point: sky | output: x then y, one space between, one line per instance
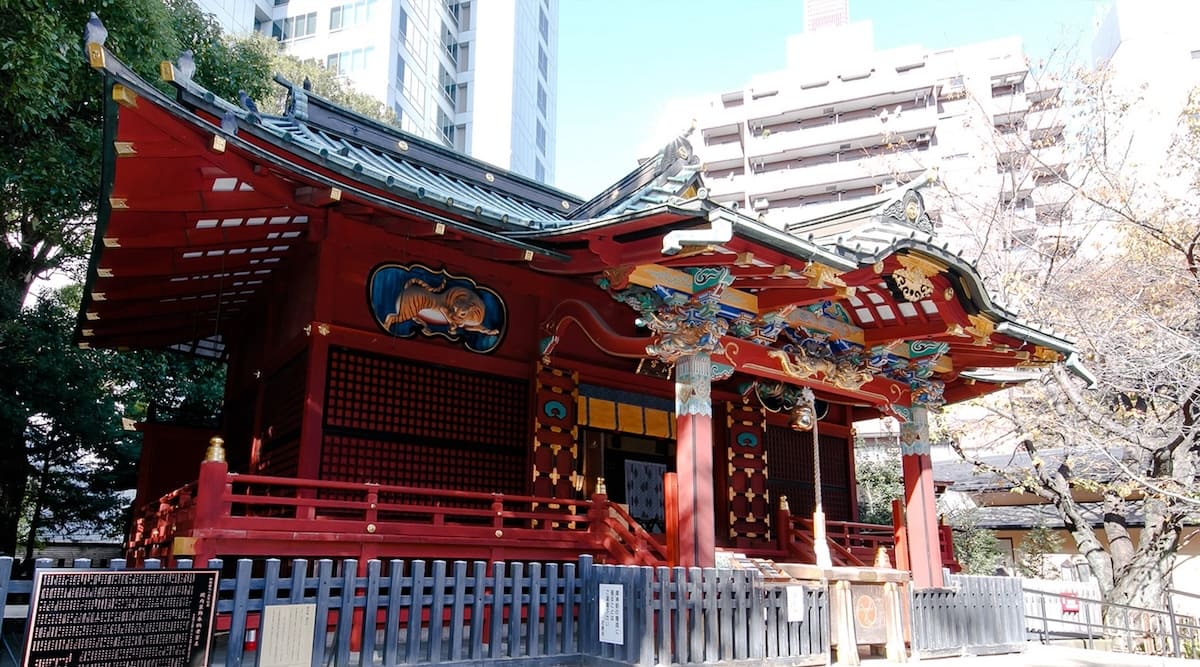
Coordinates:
622 62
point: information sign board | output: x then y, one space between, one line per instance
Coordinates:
612 613
133 618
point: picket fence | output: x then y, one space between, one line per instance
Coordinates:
972 615
413 612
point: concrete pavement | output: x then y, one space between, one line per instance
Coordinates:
1041 655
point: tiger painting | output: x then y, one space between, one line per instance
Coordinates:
456 308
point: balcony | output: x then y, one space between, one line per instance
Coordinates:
872 130
722 155
822 177
1045 118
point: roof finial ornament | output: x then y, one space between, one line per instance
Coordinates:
307 84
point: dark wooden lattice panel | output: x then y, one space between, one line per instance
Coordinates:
395 421
466 468
375 394
791 472
282 412
279 458
749 500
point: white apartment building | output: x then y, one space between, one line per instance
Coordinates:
480 76
843 121
239 16
1152 53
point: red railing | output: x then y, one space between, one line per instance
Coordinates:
246 515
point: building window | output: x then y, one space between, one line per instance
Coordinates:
539 171
542 99
447 126
541 138
543 63
544 25
351 14
349 62
399 72
294 27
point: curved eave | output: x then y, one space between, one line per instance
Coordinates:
350 175
972 282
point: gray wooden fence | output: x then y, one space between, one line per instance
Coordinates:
412 612
972 616
678 616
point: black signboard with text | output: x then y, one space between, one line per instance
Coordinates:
133 618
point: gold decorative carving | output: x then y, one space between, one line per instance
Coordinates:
1046 355
821 276
981 329
801 367
913 280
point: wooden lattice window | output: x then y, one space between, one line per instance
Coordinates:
791 472
395 421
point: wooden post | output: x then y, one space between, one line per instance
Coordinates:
211 506
901 547
693 460
783 526
920 507
598 515
671 516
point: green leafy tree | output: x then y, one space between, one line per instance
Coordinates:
50 124
879 483
975 548
1038 543
325 82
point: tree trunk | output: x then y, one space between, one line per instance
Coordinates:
1145 581
12 483
35 514
14 468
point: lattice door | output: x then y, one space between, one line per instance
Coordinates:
395 421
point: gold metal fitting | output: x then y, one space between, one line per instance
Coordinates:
216 450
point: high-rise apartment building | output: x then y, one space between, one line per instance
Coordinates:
843 121
478 76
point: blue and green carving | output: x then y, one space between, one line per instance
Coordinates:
555 409
747 440
710 277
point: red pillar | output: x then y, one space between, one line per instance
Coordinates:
921 525
693 460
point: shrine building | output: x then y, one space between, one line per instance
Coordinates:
428 356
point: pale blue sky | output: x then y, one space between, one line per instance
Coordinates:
621 61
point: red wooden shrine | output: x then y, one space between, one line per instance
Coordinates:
428 356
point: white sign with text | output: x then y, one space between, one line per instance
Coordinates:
612 613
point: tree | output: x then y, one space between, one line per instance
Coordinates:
1114 259
326 83
50 124
878 483
1038 543
975 548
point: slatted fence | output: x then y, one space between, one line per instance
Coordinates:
972 616
415 612
678 616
